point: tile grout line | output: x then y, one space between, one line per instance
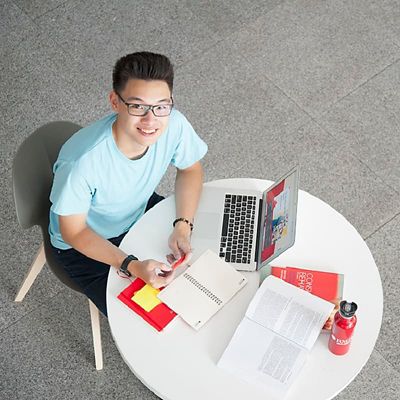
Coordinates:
293 100
323 112
41 15
40 32
395 369
50 38
49 11
335 138
327 130
359 159
380 227
6 53
30 312
242 25
313 119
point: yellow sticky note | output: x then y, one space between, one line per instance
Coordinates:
146 297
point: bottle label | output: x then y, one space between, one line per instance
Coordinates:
341 342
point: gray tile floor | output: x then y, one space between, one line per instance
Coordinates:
309 81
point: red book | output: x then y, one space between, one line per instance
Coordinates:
327 285
159 317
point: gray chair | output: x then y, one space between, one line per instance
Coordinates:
32 180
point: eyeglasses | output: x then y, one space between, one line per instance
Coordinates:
140 110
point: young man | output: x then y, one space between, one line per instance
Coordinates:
106 174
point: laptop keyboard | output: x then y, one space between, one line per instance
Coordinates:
238 228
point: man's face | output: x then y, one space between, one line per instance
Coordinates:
143 130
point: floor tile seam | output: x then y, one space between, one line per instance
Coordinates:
217 42
226 38
243 24
199 55
304 111
326 130
381 226
397 372
301 124
387 185
166 22
31 311
331 135
49 11
10 51
265 75
324 111
51 39
256 8
33 19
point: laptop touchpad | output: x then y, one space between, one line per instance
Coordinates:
207 225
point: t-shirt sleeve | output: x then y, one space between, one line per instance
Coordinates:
190 148
71 192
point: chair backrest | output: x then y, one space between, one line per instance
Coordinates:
32 171
32 175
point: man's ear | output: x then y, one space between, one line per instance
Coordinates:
114 101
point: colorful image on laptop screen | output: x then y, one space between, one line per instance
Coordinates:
279 218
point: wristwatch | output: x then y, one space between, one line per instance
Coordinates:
124 266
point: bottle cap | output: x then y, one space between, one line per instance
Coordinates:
347 310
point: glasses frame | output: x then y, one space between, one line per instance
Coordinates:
146 106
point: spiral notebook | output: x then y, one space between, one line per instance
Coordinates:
203 289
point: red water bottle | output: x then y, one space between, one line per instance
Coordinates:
342 329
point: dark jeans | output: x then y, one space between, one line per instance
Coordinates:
89 274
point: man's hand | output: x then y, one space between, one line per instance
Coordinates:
153 272
179 241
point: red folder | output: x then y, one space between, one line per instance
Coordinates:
159 317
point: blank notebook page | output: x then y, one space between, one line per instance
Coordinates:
203 289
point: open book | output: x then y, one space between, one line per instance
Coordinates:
203 289
271 343
327 285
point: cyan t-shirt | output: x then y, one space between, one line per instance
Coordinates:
92 176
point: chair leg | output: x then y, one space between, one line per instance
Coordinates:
95 318
33 272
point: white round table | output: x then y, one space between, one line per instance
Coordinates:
180 363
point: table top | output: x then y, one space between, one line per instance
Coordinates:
179 362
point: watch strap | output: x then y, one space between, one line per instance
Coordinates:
124 266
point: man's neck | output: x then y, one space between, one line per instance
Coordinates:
130 149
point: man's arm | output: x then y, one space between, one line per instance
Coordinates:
188 186
77 234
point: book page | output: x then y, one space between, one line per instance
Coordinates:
327 285
263 358
289 311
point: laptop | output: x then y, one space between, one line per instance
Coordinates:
247 228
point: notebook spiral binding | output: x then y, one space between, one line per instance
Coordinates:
207 292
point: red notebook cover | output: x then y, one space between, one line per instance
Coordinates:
327 285
159 317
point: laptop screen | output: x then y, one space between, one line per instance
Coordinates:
279 218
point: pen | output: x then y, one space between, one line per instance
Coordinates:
175 265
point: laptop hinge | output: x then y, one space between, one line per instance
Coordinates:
258 233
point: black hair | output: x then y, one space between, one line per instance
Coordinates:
142 65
